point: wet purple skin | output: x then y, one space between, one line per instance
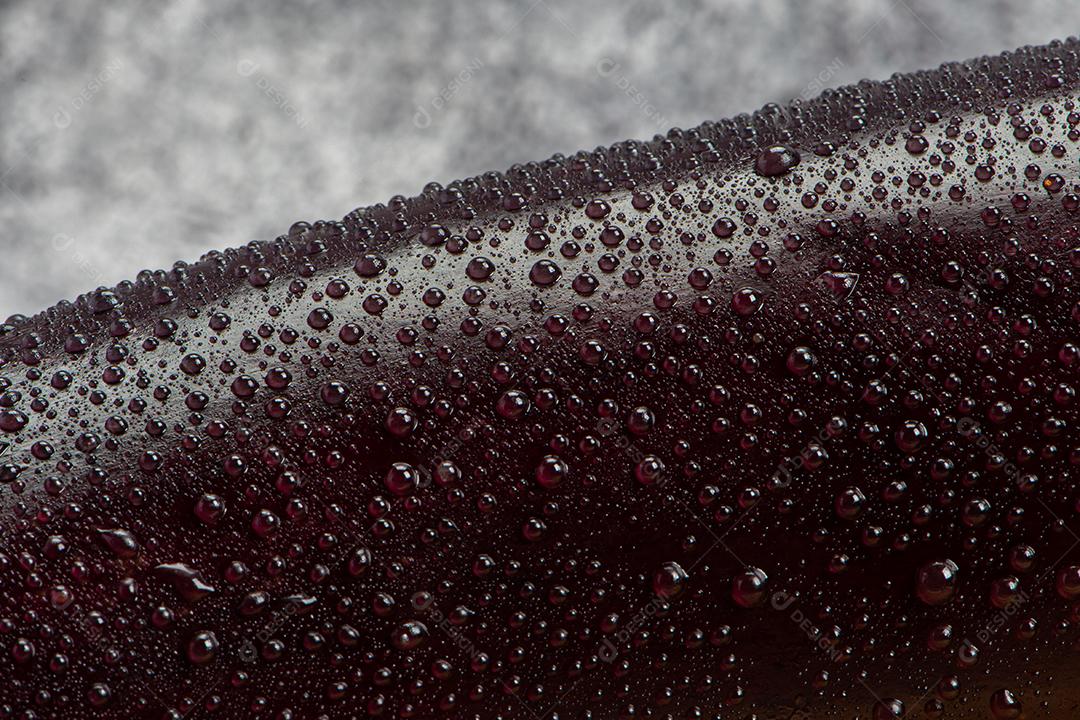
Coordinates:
666 430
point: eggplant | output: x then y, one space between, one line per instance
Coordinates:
775 417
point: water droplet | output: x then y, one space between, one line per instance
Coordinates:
670 580
936 582
748 587
409 635
776 160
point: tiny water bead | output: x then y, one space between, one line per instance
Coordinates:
748 589
800 360
937 581
551 472
746 301
888 709
670 580
410 635
210 508
545 273
1068 582
776 160
1005 705
202 648
513 404
402 479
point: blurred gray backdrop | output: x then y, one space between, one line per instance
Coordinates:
139 132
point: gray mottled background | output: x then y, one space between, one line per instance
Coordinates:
136 133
